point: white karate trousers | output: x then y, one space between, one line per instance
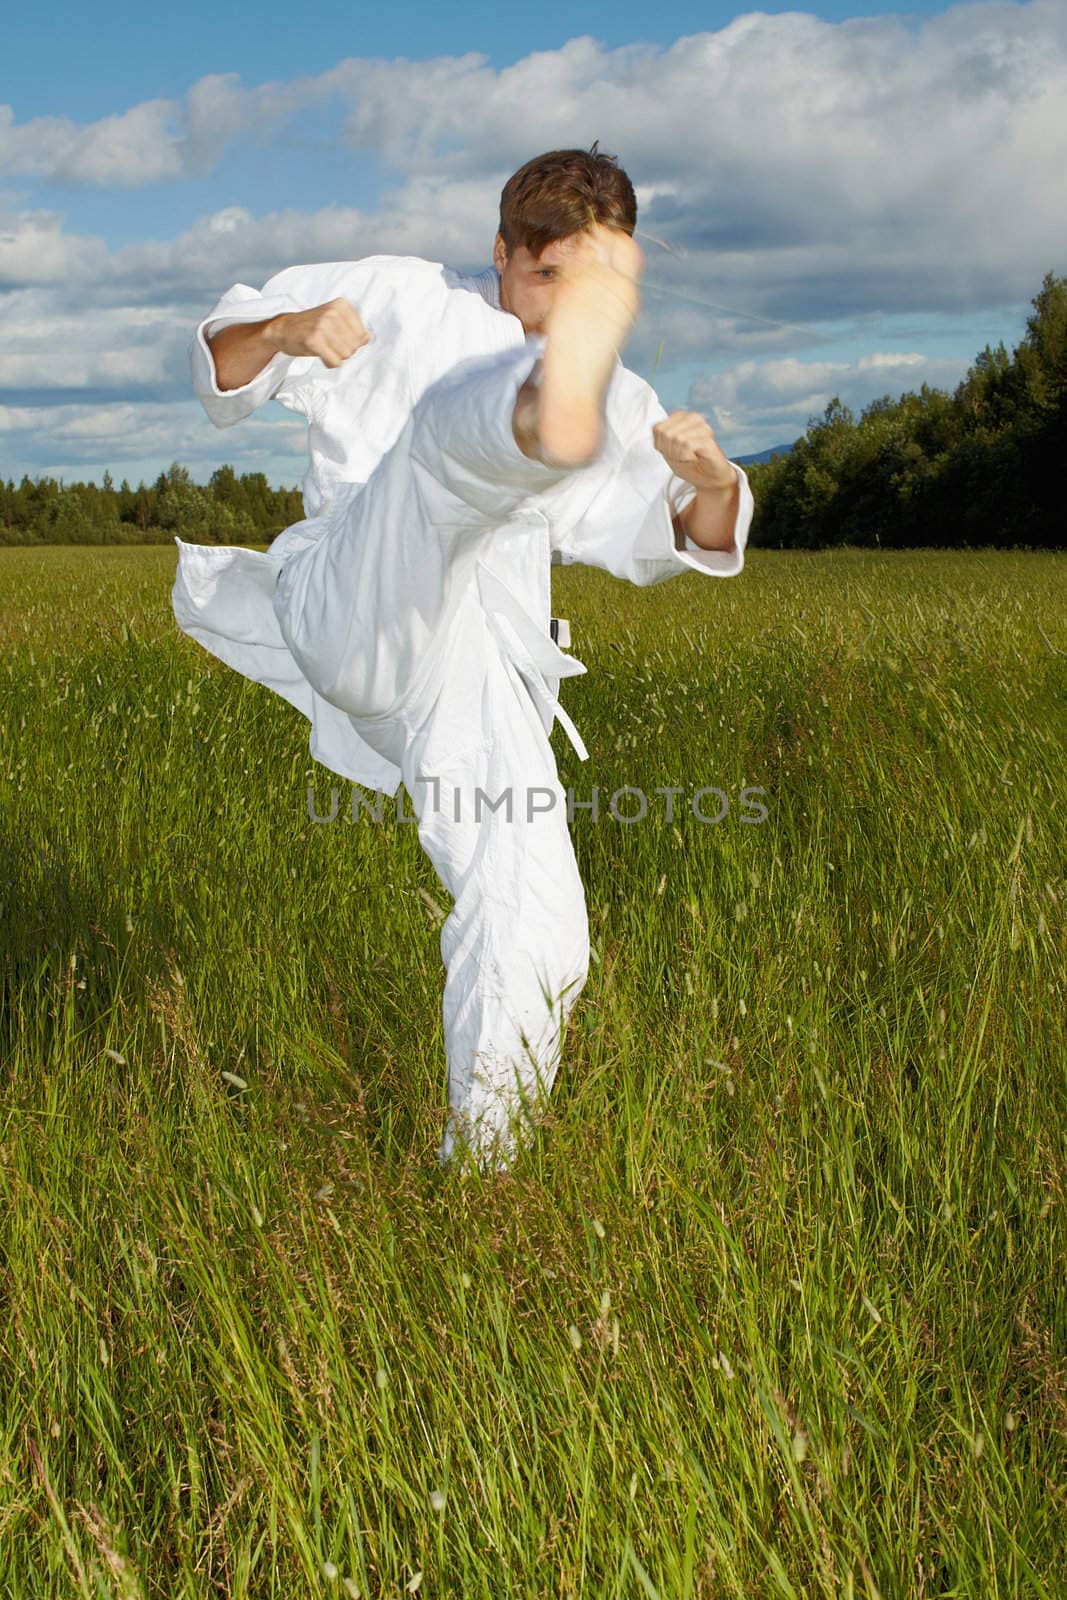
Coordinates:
382 612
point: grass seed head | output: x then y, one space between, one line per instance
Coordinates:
871 1310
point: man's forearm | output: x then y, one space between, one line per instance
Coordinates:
711 516
241 351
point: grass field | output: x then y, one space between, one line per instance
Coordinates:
776 1305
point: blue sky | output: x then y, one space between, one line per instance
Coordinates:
885 182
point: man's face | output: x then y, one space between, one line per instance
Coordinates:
528 283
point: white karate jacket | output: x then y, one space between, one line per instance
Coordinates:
425 320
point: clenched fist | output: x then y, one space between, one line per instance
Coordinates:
333 332
687 444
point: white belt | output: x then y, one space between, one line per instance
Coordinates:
534 679
533 652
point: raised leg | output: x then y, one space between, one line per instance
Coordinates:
365 607
559 416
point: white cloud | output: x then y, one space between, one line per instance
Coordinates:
129 150
808 166
34 249
80 369
48 343
72 441
216 111
753 401
802 171
789 379
778 133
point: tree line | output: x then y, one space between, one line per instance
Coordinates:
980 466
227 510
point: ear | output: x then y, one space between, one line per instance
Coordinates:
500 253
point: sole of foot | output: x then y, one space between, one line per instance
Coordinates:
594 309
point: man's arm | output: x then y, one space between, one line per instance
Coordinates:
668 504
241 351
332 332
267 370
687 444
710 517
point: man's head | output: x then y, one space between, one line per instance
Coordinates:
543 207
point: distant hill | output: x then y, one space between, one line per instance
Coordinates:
764 455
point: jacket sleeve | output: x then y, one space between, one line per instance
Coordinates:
295 289
628 526
468 467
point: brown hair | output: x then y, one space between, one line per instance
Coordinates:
564 192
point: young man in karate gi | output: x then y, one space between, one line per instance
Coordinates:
464 432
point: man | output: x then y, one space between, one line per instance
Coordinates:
463 433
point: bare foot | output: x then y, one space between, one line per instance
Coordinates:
592 313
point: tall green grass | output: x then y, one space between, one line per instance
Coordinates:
775 1303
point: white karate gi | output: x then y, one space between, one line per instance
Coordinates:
408 619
